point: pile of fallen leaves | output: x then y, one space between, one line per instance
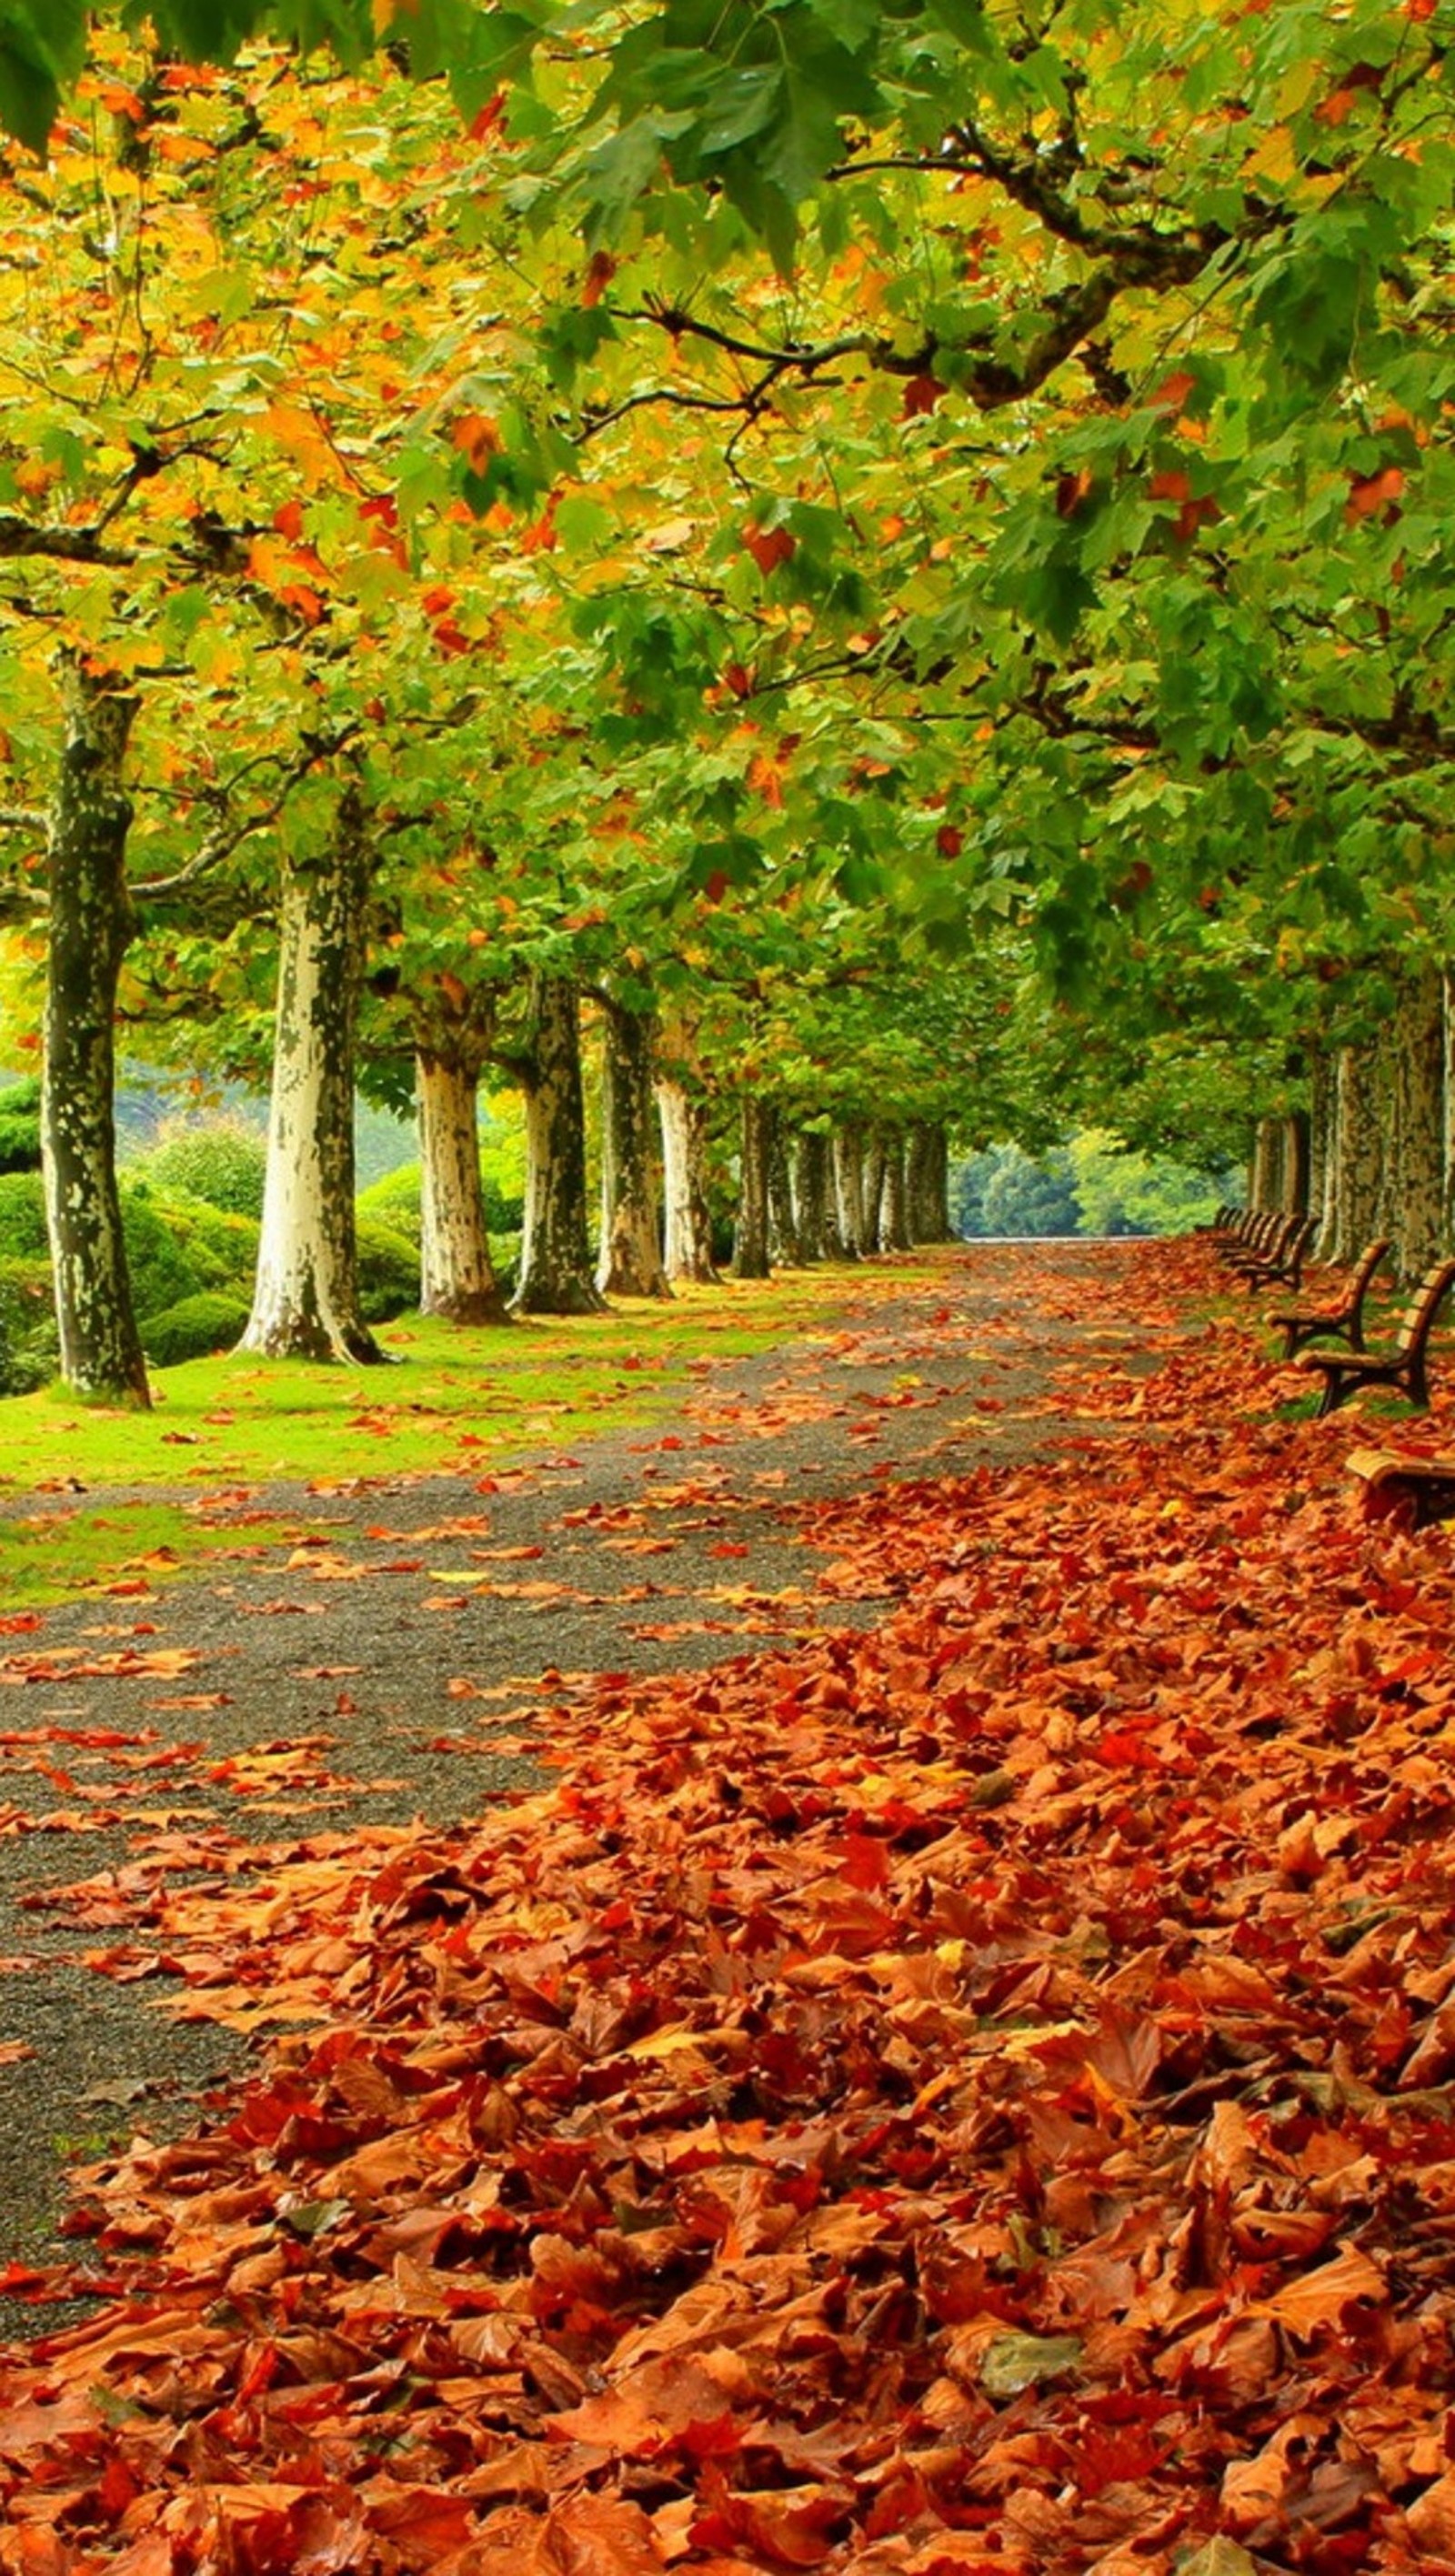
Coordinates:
969 2094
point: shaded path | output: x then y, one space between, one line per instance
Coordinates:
397 1662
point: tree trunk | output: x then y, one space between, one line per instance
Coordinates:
810 1195
783 1243
1296 1164
1268 1166
848 1155
631 1257
91 925
1323 1152
1358 1155
688 1218
555 1256
876 1164
1416 1202
894 1226
306 1297
928 1182
457 1276
750 1240
1449 985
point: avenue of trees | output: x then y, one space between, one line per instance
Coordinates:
898 561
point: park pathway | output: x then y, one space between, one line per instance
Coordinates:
400 1658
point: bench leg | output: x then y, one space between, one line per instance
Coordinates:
1333 1394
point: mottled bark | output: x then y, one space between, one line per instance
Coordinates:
1323 1152
848 1162
1417 1200
750 1237
687 1216
894 1235
457 1275
875 1164
1384 1097
91 926
630 1262
1358 1153
306 1296
555 1255
1448 980
811 1196
1268 1165
927 1182
783 1242
1296 1164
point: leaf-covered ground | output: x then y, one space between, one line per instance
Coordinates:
964 2091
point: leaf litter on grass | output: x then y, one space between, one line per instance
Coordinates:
971 2093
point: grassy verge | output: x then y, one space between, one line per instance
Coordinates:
461 1403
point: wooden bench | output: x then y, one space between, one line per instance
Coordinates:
1252 1239
1283 1269
1342 1322
1412 1491
1269 1254
1403 1366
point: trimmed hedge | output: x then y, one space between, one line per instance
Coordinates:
20 1127
22 1218
222 1165
195 1327
30 1348
192 1267
388 1272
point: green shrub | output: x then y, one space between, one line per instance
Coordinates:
177 1246
222 1165
20 1127
195 1327
30 1349
505 1261
394 1202
388 1272
22 1218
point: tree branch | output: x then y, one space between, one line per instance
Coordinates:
62 545
225 838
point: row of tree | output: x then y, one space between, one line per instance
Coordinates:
906 553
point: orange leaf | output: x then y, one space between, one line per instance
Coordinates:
769 546
488 117
478 439
1373 492
921 393
600 270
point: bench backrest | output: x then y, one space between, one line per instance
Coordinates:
1363 1271
1416 1322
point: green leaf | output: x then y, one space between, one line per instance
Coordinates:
1017 2361
34 65
1218 2558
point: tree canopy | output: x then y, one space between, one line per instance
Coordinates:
914 541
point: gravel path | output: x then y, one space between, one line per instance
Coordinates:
399 1663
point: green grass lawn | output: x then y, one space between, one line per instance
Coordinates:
462 1402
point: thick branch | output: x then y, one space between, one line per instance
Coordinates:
228 836
63 545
